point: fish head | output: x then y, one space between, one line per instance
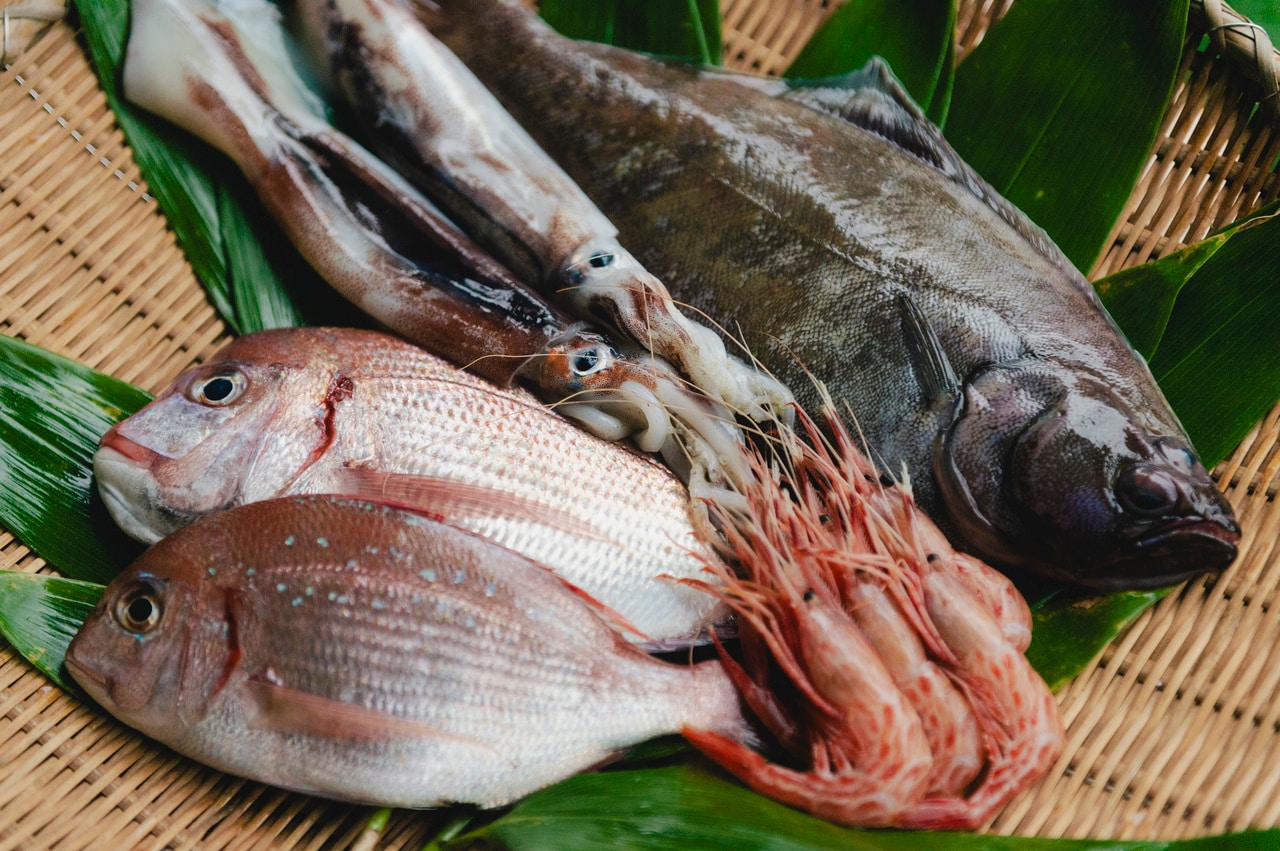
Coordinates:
1054 473
239 427
136 652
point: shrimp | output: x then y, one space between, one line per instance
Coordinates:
887 666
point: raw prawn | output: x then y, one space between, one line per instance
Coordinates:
888 666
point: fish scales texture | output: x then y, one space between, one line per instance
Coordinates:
1034 434
319 405
367 654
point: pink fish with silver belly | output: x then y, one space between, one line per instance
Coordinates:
359 652
317 410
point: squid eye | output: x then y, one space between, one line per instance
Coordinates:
139 610
220 389
591 360
1146 491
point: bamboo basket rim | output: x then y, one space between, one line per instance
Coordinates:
89 269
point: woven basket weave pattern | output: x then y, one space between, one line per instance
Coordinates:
1173 733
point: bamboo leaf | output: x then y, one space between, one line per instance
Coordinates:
1060 104
52 413
1223 326
1069 631
39 615
204 201
915 38
1141 299
687 806
684 29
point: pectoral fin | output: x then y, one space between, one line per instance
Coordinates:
933 368
454 502
289 710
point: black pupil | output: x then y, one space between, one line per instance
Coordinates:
586 361
141 610
218 389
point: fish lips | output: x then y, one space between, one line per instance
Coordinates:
125 483
1167 552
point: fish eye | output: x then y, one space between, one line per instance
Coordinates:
1146 491
219 389
602 260
139 610
590 360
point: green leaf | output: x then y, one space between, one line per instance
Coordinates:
684 29
1068 631
39 615
1223 326
1141 299
1059 106
687 806
52 413
1264 13
915 37
204 199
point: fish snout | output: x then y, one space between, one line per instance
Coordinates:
126 483
1182 526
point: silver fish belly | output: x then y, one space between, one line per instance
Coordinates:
357 412
358 652
835 227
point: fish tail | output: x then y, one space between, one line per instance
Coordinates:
716 705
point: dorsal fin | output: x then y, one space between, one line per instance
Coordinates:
873 99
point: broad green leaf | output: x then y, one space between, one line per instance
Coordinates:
203 197
52 413
39 615
685 29
1141 299
1219 360
1060 104
914 36
687 806
1069 631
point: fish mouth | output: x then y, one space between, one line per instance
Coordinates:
95 683
1175 552
123 482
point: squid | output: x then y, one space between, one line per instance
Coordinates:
422 110
218 69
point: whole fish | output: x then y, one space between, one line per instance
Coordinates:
834 227
317 410
359 652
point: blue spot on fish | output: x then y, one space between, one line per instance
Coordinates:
459 576
251 571
308 590
490 589
378 605
351 562
296 601
280 586
288 542
428 574
213 571
333 595
322 542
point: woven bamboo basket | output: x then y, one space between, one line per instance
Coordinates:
1173 732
